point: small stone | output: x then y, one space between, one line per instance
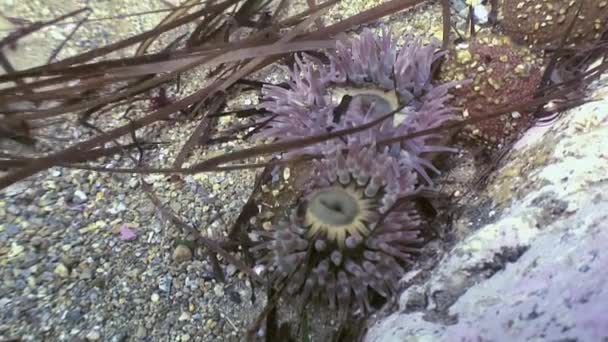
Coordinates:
119 208
16 189
210 323
516 115
74 316
12 229
164 284
182 253
218 290
62 271
184 317
32 282
93 335
120 337
85 273
133 183
230 270
155 297
80 197
520 69
464 56
13 209
185 337
286 173
141 332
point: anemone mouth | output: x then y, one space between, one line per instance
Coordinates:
384 101
337 212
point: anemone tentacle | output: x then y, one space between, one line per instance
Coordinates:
379 78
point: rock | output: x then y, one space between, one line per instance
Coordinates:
62 270
182 253
16 250
184 317
155 297
74 316
11 229
141 332
17 188
218 290
231 270
80 197
164 284
210 323
133 183
93 335
120 336
537 271
13 209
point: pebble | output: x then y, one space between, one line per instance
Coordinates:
231 270
218 290
13 209
16 189
74 316
16 250
93 335
184 317
133 183
141 332
119 208
11 229
210 323
155 297
61 270
182 253
164 284
120 337
80 197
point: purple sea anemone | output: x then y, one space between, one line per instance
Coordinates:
378 79
348 235
354 229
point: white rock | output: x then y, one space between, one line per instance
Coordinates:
538 272
93 336
80 196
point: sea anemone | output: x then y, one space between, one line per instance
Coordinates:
378 78
349 234
355 227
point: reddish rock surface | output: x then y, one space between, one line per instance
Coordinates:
502 74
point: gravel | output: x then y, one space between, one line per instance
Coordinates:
67 274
